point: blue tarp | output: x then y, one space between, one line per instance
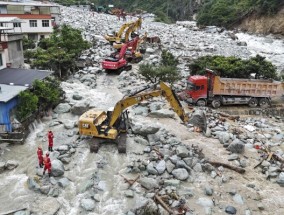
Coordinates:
5 109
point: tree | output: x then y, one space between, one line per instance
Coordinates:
28 44
27 105
232 67
59 52
47 91
167 70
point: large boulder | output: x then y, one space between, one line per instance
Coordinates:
32 184
11 164
46 206
57 168
88 204
198 119
237 146
62 108
182 151
63 182
80 107
180 174
2 166
164 113
145 129
149 183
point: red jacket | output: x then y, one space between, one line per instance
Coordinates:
47 162
39 153
50 137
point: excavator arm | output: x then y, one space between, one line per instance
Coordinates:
165 91
136 24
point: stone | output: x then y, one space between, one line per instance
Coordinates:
32 184
87 204
233 157
57 168
62 148
129 193
208 191
237 146
52 180
151 169
97 197
62 108
197 167
79 108
238 199
2 166
11 164
77 96
205 202
250 128
86 186
66 160
230 210
24 212
54 192
141 140
260 206
63 182
180 174
170 166
223 137
182 151
172 182
145 129
49 206
44 189
198 118
149 183
68 124
54 155
161 167
280 179
164 113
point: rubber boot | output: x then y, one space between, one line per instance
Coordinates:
49 175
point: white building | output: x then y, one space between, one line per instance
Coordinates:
37 18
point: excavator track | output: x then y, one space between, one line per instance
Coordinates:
121 143
94 147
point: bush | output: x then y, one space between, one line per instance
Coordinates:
28 44
168 59
232 67
27 105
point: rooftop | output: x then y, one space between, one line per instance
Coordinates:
21 77
10 20
27 16
30 3
8 92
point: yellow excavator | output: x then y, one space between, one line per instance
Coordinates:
111 126
118 36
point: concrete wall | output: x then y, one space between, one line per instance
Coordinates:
4 55
26 28
16 55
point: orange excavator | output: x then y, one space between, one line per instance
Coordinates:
118 61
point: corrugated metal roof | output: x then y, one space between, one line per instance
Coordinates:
22 77
8 92
10 20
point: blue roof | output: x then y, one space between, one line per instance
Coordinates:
8 92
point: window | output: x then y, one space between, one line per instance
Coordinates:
45 23
1 24
33 23
19 47
17 25
1 61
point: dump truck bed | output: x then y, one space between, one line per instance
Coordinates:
247 87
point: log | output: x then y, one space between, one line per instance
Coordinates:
130 181
259 163
231 117
164 205
237 169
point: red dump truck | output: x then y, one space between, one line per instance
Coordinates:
217 91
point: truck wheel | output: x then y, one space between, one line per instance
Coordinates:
201 103
253 102
216 103
263 102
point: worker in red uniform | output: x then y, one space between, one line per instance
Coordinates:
50 141
47 164
40 156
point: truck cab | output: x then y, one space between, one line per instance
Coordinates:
196 89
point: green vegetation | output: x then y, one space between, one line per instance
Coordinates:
28 43
233 67
167 71
59 51
228 12
43 95
28 103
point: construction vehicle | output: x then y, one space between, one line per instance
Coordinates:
117 36
111 126
130 32
211 89
118 61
